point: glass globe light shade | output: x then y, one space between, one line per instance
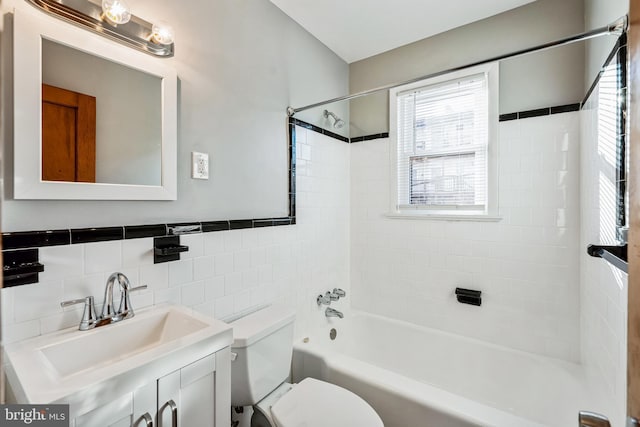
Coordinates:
116 11
162 33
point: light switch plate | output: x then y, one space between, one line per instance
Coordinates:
199 165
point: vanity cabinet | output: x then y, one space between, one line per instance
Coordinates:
197 394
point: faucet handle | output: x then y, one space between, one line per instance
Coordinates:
126 311
332 296
89 317
323 299
339 292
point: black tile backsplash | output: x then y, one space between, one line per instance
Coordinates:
283 221
539 112
101 234
33 239
237 224
369 137
209 226
507 117
259 223
141 231
534 113
565 108
296 122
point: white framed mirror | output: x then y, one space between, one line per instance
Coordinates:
93 120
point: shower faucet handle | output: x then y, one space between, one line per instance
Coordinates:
339 292
323 299
332 296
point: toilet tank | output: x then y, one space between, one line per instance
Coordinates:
261 353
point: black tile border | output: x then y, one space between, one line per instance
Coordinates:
210 226
297 122
141 231
369 137
101 234
317 129
238 224
34 239
539 112
20 240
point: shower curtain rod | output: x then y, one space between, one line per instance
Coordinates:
619 26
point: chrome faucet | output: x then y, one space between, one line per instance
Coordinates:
108 310
330 312
109 313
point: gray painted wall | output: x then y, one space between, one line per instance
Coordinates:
550 78
598 13
240 64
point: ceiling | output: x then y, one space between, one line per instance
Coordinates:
358 29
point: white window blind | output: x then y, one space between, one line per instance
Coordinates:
442 145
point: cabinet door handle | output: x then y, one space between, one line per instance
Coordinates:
174 413
147 419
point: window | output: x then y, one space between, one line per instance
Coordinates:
444 130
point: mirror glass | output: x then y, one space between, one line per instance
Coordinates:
101 121
92 119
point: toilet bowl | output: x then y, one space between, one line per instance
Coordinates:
261 360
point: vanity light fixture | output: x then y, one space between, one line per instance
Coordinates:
113 19
117 12
162 33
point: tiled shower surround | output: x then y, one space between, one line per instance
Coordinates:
603 293
223 273
526 264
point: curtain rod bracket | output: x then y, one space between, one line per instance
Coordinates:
620 26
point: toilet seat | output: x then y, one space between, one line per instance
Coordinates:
314 403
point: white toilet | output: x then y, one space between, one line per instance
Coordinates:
261 360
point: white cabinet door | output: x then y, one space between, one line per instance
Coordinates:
186 397
191 394
116 413
125 411
144 405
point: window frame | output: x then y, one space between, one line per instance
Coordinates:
490 212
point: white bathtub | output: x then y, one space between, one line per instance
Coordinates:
421 377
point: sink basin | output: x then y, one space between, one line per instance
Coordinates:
71 365
119 341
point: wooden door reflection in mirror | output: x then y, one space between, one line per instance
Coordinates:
68 135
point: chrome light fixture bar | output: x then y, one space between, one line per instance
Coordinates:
137 33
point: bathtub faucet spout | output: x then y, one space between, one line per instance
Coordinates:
330 312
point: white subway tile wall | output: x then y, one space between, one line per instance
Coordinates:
223 273
603 296
526 265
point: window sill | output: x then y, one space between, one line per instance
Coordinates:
444 217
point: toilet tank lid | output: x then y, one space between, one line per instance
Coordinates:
257 325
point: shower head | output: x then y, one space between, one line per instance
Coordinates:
338 122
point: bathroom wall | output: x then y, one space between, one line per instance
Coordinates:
603 296
223 273
598 13
240 63
526 265
525 83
